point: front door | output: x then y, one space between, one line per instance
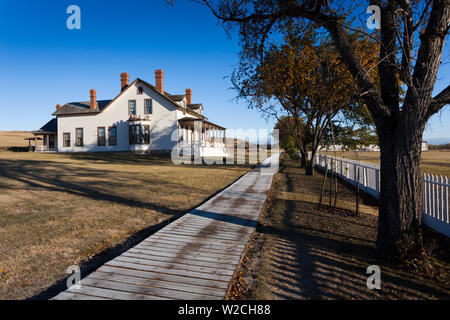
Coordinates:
51 141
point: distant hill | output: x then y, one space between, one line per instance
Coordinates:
13 139
437 141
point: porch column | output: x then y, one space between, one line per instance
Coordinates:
203 133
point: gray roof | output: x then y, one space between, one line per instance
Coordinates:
51 126
194 106
189 119
175 97
81 107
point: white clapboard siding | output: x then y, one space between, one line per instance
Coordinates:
436 189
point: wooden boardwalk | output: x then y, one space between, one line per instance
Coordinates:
193 257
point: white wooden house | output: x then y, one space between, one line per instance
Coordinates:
142 118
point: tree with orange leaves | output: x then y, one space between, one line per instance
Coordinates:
305 81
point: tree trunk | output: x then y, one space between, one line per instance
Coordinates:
309 169
400 210
303 159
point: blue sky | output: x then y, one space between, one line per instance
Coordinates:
42 63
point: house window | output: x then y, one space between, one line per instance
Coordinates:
66 139
79 135
140 90
148 106
139 134
101 138
112 133
132 107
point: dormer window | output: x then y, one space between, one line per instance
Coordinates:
140 90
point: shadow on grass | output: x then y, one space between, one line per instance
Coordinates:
145 159
56 176
101 258
50 176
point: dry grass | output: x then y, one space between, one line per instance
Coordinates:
14 139
61 209
299 252
433 161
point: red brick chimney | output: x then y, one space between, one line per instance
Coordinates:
93 103
58 106
189 96
124 80
159 77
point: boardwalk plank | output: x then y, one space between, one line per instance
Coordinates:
193 255
176 266
125 262
199 247
113 294
168 277
130 276
133 284
223 242
191 249
77 296
202 244
185 261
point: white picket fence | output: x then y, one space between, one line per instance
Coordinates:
436 203
436 189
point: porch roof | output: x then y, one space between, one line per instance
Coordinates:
32 138
190 122
50 127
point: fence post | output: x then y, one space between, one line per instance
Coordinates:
424 188
436 196
365 178
433 195
347 173
430 196
446 213
441 199
377 181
